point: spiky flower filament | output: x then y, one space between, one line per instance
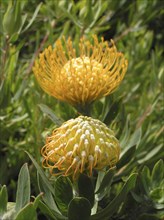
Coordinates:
80 77
80 145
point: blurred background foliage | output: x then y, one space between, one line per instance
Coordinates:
134 111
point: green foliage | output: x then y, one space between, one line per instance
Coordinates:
79 208
134 111
23 188
3 200
147 197
63 193
22 208
85 188
105 184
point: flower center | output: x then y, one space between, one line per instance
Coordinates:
82 66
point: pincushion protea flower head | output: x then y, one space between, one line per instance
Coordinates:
80 76
80 145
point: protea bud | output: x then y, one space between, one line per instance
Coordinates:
80 145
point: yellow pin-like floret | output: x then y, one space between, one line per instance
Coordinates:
80 145
80 77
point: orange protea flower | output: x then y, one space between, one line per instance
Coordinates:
80 145
83 75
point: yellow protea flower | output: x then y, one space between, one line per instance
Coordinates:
83 75
80 145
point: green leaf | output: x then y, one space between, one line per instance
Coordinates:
96 13
47 197
157 195
23 188
45 181
125 134
12 19
33 17
105 184
113 206
86 189
112 113
3 200
146 179
151 154
126 157
72 17
110 109
37 199
28 212
63 193
89 16
134 140
22 87
79 209
157 173
45 109
46 210
40 171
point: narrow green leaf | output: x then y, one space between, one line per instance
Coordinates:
146 179
40 171
106 183
100 177
151 154
134 140
23 188
108 100
47 197
79 209
45 181
126 157
46 210
113 206
63 193
3 200
86 189
20 90
24 18
157 173
96 15
33 17
125 134
112 113
28 212
45 109
37 199
72 17
89 15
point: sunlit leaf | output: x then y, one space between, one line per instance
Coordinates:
28 212
23 188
